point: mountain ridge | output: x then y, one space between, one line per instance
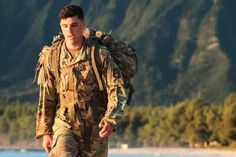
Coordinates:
185 48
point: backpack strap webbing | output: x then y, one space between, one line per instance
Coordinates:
56 50
94 50
130 94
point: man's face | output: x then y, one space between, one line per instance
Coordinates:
72 28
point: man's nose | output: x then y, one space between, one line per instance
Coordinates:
69 29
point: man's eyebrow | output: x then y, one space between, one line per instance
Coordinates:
71 23
76 22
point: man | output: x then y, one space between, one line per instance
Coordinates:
74 117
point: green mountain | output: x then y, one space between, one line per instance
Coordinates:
185 48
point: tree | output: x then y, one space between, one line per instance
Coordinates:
228 132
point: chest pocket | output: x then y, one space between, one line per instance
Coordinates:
67 82
84 74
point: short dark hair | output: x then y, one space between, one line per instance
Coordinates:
70 11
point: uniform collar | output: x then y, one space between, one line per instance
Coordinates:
67 57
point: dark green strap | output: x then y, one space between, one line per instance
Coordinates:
130 94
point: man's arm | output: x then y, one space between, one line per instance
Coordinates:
117 95
46 110
48 97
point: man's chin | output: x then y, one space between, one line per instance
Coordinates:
70 41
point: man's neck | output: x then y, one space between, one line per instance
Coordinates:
75 46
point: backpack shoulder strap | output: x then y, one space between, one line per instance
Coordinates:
55 60
94 52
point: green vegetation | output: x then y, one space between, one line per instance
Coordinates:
17 123
184 47
190 123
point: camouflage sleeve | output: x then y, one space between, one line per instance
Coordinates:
117 95
47 95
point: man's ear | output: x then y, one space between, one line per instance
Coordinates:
60 26
83 23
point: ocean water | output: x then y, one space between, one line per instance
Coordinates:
113 154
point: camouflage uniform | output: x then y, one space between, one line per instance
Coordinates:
72 110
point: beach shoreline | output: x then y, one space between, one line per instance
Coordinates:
146 150
210 151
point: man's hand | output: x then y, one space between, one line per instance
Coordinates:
106 130
47 142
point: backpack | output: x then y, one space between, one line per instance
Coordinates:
123 54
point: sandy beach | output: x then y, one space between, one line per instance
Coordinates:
230 152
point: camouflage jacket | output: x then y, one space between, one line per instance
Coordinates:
78 86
